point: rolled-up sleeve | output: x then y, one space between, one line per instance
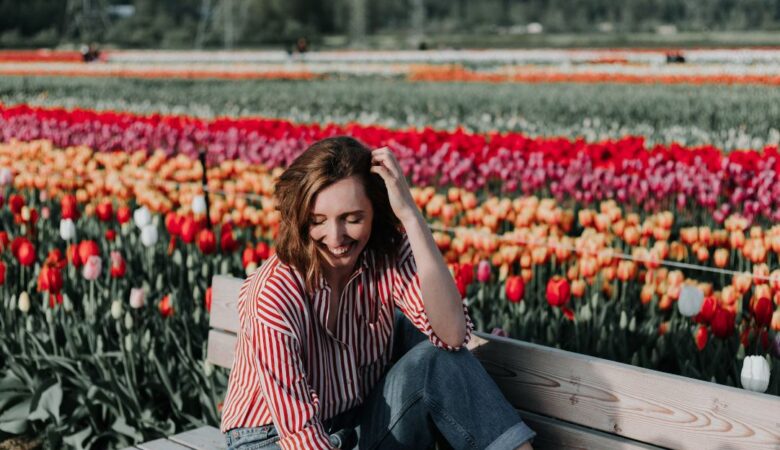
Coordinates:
292 402
407 296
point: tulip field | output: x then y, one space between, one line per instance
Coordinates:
602 219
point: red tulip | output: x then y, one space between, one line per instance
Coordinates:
173 223
515 288
558 291
165 307
3 240
248 256
26 253
123 214
87 249
55 298
207 299
110 235
69 207
462 286
189 229
227 242
467 273
104 211
118 265
702 334
16 203
762 311
262 251
708 308
73 255
723 323
55 258
207 243
2 273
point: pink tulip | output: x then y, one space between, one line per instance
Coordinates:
483 271
91 270
137 298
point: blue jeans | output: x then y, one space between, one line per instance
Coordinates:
427 395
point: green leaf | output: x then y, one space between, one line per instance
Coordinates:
48 404
76 440
121 427
14 419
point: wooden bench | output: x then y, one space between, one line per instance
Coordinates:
572 401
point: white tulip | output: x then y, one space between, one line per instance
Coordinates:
755 373
67 229
24 302
116 309
149 235
142 217
199 204
690 301
6 176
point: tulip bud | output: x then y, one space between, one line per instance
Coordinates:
483 271
623 320
755 373
199 204
67 229
149 235
91 269
690 301
128 321
49 316
208 368
67 305
116 309
137 298
129 343
24 302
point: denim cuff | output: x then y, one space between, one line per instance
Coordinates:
513 437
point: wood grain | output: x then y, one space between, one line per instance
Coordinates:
636 403
221 348
556 434
224 301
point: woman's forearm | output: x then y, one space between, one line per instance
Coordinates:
441 298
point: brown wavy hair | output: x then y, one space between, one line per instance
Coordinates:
324 163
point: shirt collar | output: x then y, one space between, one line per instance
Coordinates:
363 263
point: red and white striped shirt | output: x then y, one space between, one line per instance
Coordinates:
290 370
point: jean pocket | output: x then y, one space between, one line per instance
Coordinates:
253 438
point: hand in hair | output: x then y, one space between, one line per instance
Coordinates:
384 163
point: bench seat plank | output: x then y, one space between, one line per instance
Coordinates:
557 434
640 404
203 438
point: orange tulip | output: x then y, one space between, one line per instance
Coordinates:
578 288
721 257
742 282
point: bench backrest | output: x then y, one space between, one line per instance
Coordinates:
578 401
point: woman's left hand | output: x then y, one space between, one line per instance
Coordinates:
384 163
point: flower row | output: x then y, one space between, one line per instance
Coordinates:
701 179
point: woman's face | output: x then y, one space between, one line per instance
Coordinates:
340 223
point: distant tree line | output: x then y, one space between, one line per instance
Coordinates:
248 23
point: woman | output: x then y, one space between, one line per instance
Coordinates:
322 350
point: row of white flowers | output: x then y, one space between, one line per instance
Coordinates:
519 56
